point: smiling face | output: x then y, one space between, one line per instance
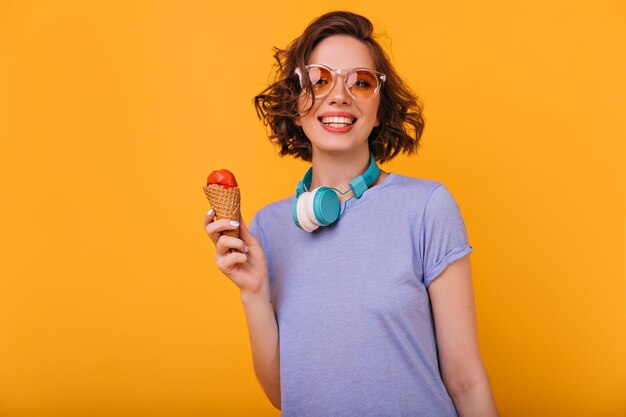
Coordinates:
337 122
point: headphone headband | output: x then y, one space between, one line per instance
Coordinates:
358 185
321 207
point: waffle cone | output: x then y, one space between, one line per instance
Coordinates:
226 203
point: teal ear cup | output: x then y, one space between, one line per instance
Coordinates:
326 206
320 207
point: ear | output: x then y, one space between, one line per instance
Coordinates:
377 123
297 121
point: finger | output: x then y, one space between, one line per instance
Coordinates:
227 263
215 229
244 233
209 216
226 243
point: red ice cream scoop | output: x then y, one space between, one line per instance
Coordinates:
222 177
224 196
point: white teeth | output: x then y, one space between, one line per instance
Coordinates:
338 120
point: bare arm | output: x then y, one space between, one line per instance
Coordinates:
462 371
263 332
244 262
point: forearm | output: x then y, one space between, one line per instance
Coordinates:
475 400
263 332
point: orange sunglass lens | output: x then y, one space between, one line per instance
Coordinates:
362 84
321 79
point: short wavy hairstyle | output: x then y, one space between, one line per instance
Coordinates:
399 111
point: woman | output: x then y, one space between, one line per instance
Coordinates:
365 272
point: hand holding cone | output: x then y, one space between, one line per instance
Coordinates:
223 195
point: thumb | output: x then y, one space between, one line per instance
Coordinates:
245 235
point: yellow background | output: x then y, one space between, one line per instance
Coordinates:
112 114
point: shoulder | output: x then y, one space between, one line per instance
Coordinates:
275 209
271 214
417 190
416 184
429 200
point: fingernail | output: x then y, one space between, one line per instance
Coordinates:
208 213
234 223
245 248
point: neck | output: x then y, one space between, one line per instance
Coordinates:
337 170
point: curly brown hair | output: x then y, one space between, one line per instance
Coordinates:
400 110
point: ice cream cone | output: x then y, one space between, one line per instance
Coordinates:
226 203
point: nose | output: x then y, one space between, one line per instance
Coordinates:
339 94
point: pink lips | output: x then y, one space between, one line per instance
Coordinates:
337 114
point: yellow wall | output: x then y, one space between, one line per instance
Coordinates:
113 113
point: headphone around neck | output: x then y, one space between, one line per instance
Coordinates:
321 206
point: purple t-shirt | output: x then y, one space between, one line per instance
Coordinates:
356 330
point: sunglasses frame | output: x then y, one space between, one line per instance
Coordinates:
380 79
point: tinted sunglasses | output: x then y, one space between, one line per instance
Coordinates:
361 83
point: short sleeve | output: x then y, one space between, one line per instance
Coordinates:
257 231
443 235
